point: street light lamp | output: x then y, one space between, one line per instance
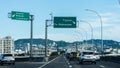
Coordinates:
101 25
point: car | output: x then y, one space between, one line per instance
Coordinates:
97 56
87 56
67 55
7 59
73 56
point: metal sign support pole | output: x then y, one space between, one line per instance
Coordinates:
31 36
46 38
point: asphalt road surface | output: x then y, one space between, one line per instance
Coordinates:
62 62
23 65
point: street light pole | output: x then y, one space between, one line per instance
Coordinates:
78 35
91 29
86 35
119 2
76 45
101 26
46 29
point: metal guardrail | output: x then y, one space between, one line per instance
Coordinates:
29 56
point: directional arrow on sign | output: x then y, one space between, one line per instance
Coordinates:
13 15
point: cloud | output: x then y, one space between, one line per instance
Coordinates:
110 24
111 29
56 36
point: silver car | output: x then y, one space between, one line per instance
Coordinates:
7 59
87 56
97 56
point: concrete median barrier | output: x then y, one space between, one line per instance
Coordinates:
115 59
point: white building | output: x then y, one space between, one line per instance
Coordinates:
7 45
40 50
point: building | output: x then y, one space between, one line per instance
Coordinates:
40 50
7 45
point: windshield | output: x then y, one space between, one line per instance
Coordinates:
96 53
7 54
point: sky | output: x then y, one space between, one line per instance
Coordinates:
109 10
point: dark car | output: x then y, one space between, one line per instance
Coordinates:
73 55
67 55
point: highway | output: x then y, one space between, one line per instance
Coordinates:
23 65
62 62
100 64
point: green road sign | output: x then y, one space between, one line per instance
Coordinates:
20 15
64 22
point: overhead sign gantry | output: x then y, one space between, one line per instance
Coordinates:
25 16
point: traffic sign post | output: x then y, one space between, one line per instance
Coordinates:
25 16
20 15
31 35
65 22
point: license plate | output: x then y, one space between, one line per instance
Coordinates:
88 56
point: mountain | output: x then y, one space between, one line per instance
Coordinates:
21 43
110 43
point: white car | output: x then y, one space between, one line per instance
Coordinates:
87 56
97 56
7 59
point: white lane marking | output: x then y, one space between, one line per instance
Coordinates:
33 62
47 63
101 66
68 63
70 66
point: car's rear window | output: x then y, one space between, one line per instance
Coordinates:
96 54
7 54
74 53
